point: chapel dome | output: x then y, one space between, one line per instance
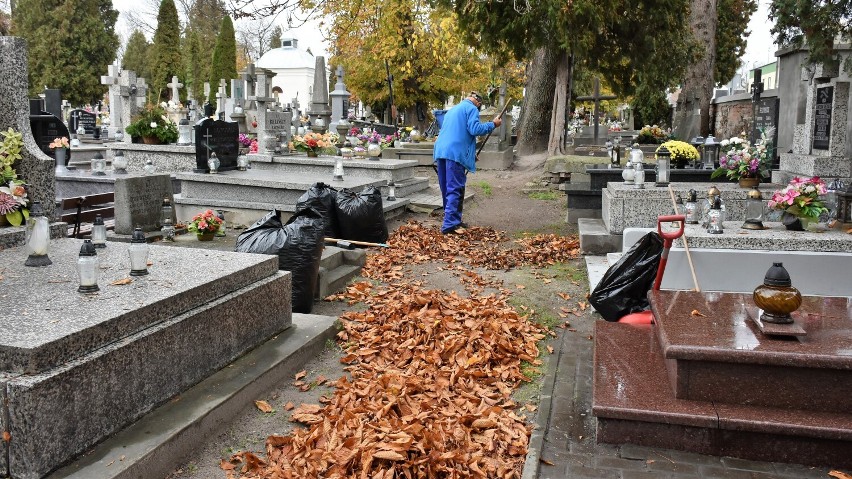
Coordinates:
287 56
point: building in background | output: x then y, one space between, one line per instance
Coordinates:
295 72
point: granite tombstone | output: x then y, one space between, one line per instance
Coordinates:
822 118
82 117
139 200
766 121
46 128
216 136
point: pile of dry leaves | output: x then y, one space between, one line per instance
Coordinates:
432 374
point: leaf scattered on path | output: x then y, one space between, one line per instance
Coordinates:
263 406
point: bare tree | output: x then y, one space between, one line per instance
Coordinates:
253 35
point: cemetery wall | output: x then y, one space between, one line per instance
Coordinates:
793 92
733 114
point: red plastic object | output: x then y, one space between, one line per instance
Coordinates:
647 317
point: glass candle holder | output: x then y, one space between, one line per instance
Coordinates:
99 232
38 237
88 268
138 250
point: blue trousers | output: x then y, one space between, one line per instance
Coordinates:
452 178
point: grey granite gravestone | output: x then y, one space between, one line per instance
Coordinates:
220 137
139 200
36 168
53 101
278 122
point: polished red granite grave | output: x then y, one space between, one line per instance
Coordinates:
715 352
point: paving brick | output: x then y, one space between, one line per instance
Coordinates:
746 465
581 472
601 461
719 472
630 451
798 471
644 475
660 464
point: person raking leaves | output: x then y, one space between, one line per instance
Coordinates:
455 155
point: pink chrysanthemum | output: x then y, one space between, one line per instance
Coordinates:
7 204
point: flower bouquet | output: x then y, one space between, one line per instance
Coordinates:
741 160
153 126
651 135
14 202
682 152
59 143
204 224
800 199
315 143
375 137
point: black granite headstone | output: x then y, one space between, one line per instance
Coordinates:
766 117
46 128
219 136
822 117
53 101
88 120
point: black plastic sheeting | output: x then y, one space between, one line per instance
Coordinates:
624 288
323 198
361 216
298 245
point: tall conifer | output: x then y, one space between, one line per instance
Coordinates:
165 52
224 64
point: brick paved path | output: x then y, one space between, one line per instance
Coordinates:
567 448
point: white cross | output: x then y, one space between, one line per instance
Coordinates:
175 85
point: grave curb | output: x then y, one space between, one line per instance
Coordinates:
160 441
532 464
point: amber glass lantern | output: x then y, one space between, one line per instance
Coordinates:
754 210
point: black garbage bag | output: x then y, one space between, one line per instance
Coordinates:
298 245
361 216
624 287
323 198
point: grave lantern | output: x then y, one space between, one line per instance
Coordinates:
714 217
844 206
184 132
609 152
88 268
221 215
38 237
639 174
338 168
168 228
346 152
242 162
391 191
616 144
81 130
98 165
664 158
149 167
698 143
119 163
777 296
692 207
754 210
138 250
710 153
832 191
213 163
99 232
119 135
680 208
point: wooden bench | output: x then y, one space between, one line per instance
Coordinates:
80 212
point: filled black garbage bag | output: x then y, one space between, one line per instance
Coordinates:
624 288
361 216
323 198
298 245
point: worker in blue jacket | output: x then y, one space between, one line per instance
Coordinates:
455 155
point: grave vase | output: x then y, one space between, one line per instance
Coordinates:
749 183
61 156
793 222
151 140
206 236
312 154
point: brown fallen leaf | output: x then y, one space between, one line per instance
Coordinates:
6 436
120 282
839 475
389 455
301 374
550 349
564 296
696 312
520 286
545 461
226 466
289 406
263 406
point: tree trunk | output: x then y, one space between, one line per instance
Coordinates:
698 84
534 124
556 144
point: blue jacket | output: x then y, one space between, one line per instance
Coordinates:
457 138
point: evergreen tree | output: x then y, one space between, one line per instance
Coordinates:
731 36
136 55
275 40
204 20
812 24
224 64
194 64
71 43
165 58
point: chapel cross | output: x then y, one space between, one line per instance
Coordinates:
597 97
175 85
249 78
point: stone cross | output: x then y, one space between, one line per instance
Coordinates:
112 79
250 78
265 141
221 94
131 93
596 97
338 99
175 85
206 91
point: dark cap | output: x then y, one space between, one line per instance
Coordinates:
478 97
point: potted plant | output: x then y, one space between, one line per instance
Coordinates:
800 202
743 162
205 225
315 143
651 135
682 152
153 126
13 192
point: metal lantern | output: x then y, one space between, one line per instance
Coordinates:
184 132
149 167
844 206
754 210
612 163
99 232
698 143
639 175
616 144
242 163
98 165
391 191
714 217
664 158
88 268
221 215
833 190
338 168
213 163
138 250
710 154
38 237
119 163
691 206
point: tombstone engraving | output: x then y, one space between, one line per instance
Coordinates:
822 118
139 200
46 128
278 122
85 118
766 120
216 136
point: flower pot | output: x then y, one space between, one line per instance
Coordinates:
3 221
749 182
207 236
312 154
151 140
793 222
61 156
